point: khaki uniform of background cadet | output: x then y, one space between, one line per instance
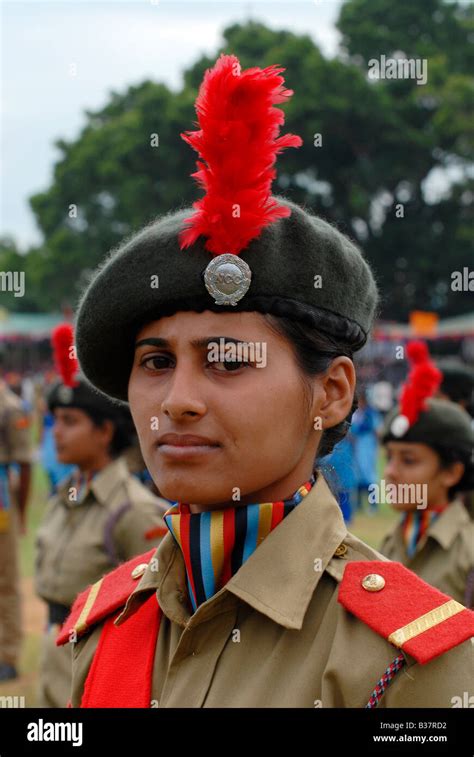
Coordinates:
445 556
15 447
312 616
436 543
92 524
77 543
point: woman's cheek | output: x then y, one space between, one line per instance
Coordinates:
419 474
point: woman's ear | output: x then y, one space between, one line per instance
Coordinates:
337 387
453 474
107 429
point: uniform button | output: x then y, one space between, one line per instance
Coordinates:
139 570
373 582
340 551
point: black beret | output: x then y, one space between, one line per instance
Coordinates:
84 397
149 276
442 423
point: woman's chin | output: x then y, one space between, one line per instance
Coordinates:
403 507
206 496
179 491
66 459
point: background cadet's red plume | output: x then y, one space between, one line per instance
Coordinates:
62 340
422 382
239 142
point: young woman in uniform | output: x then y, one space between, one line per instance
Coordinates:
429 444
231 329
100 516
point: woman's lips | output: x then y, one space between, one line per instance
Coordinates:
179 446
179 452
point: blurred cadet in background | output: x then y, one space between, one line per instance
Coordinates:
15 450
338 469
55 470
365 423
100 516
429 444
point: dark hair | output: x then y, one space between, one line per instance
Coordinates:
450 455
314 351
123 430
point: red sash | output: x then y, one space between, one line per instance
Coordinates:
122 668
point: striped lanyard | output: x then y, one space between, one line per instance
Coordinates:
415 525
215 544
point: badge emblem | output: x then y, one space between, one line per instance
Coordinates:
65 394
227 278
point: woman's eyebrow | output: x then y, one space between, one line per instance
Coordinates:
206 340
155 341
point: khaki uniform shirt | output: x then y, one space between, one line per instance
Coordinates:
275 634
78 542
15 444
445 557
15 447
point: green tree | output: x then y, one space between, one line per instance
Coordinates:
380 141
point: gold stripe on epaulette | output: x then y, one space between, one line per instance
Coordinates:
81 624
425 622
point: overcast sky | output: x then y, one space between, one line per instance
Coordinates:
112 44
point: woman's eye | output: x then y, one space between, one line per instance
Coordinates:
156 362
226 366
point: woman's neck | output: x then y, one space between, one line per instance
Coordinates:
275 492
93 466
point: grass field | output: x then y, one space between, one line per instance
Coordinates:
370 528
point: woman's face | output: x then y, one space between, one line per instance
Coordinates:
79 441
419 464
257 436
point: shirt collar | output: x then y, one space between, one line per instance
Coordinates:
109 479
449 523
104 483
279 578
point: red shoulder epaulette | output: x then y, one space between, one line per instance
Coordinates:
397 604
104 597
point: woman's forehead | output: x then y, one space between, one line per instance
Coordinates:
404 447
191 324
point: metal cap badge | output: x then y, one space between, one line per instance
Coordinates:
227 279
65 394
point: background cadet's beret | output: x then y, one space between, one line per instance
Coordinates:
243 250
419 417
72 390
84 397
442 423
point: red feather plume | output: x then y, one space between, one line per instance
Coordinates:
62 340
238 142
422 382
